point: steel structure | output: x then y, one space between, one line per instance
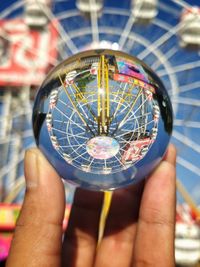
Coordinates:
156 42
168 41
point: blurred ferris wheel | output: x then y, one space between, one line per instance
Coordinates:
36 35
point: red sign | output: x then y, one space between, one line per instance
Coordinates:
25 54
136 150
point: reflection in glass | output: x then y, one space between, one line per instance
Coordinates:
103 119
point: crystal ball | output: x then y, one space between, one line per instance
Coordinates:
103 119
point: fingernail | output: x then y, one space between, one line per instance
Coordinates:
31 168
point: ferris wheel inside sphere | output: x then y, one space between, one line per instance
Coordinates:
102 111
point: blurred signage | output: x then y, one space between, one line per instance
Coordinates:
25 54
8 216
5 241
10 212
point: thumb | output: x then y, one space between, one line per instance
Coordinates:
38 235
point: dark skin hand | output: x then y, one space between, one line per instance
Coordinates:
139 230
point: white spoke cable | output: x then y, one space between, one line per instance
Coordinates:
188 165
187 123
186 141
128 27
180 68
10 166
58 26
189 87
6 12
182 3
165 37
16 188
94 21
186 101
69 118
168 55
11 137
163 6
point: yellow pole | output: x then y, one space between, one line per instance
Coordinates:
79 93
99 89
103 117
104 214
107 92
188 199
72 102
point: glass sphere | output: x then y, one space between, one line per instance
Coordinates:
103 119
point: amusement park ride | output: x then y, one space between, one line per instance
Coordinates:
36 35
103 109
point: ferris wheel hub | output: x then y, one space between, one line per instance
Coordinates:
102 147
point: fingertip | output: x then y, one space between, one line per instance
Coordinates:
37 166
31 168
31 155
29 152
170 155
45 192
162 178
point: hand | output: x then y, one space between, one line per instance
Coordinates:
139 230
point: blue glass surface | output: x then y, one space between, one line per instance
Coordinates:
103 119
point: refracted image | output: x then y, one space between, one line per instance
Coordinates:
101 111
